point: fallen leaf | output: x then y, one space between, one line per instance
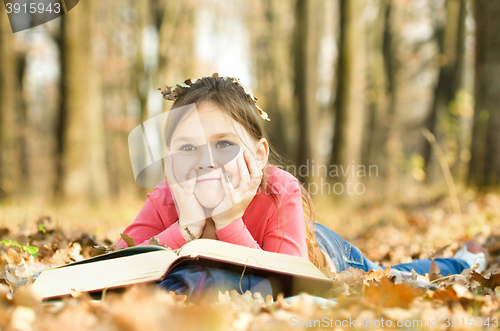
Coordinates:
376 275
434 271
154 241
22 319
130 241
28 296
491 282
351 276
13 256
388 294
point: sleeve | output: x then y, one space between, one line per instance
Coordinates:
238 234
284 232
148 224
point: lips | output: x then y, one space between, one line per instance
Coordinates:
208 180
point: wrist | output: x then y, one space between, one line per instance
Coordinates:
225 218
219 226
183 233
222 223
187 233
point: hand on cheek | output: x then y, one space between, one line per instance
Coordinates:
236 200
191 213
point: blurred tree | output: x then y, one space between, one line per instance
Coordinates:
177 60
375 136
40 98
485 161
143 72
450 35
409 51
350 100
84 174
11 68
166 27
115 60
306 44
164 36
271 23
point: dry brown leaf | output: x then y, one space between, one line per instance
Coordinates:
376 275
462 291
388 294
22 319
130 241
453 294
75 293
351 276
3 265
154 241
28 296
489 305
100 250
13 256
491 282
434 272
74 252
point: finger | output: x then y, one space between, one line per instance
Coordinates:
169 171
244 176
255 174
191 182
228 188
175 201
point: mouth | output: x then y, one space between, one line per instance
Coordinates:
208 180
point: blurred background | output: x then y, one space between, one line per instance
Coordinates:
410 88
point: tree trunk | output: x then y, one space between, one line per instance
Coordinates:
270 44
350 101
83 149
10 157
306 46
375 137
450 36
176 48
485 161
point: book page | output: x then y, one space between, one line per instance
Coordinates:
252 257
138 268
120 253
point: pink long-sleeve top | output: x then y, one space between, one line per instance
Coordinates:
260 227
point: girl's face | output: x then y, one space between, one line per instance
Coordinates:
206 142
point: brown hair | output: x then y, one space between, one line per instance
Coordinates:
234 103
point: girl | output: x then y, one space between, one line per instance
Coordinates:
222 184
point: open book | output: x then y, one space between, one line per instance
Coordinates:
142 264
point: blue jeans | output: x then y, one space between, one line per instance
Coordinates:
345 255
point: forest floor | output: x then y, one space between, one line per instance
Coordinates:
388 234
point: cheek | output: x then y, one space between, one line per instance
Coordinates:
233 171
181 171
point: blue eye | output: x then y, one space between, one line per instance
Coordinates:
223 144
188 148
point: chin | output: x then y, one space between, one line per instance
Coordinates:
209 199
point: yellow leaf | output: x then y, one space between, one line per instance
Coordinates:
130 241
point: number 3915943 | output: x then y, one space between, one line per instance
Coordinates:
33 8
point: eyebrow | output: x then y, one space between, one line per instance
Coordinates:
223 135
214 137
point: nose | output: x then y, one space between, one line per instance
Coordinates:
206 160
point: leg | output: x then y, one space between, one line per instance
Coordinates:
343 254
446 266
